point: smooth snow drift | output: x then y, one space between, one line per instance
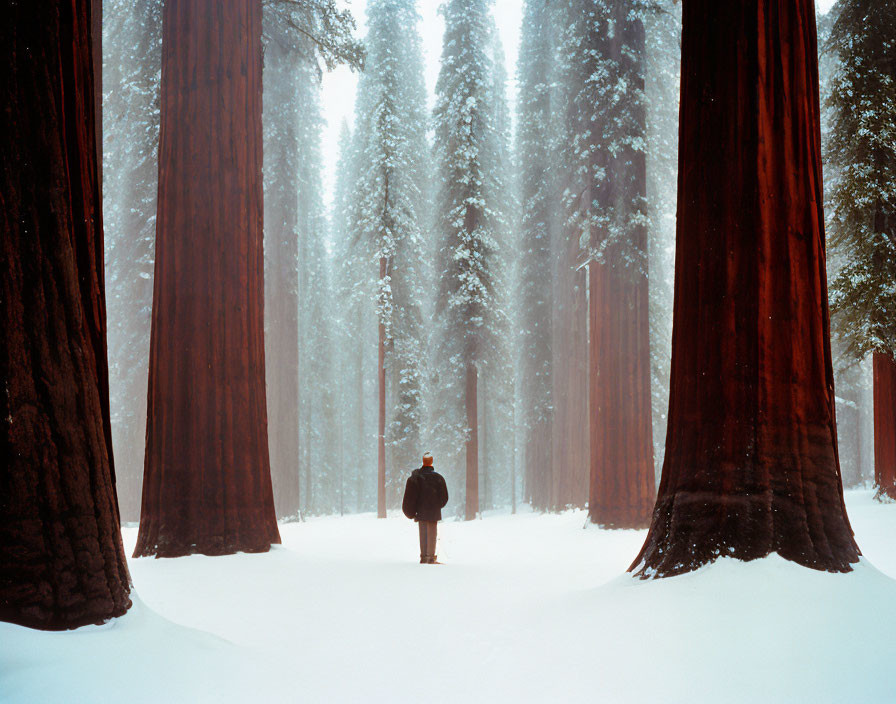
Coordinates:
527 608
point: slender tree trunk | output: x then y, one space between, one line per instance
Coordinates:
472 485
359 485
884 425
751 463
62 564
381 431
513 468
207 481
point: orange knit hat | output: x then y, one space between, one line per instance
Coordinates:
427 459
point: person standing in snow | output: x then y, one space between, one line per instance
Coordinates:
425 494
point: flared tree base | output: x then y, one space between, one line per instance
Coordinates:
691 530
212 547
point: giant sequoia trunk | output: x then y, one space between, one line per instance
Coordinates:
621 428
884 425
622 477
207 481
751 462
62 564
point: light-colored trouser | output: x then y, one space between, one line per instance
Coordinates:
427 539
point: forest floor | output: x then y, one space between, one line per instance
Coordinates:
526 608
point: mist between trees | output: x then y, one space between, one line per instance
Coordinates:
460 294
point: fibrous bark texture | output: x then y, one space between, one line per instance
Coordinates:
622 487
622 476
751 463
62 564
884 425
207 482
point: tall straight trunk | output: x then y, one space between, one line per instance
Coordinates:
622 486
622 480
381 430
62 564
569 443
471 507
751 464
207 481
359 485
884 425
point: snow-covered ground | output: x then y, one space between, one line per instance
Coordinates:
526 608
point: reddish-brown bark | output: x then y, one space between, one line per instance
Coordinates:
884 425
751 463
381 431
471 504
207 481
622 488
62 564
622 480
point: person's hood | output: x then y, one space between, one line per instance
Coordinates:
424 469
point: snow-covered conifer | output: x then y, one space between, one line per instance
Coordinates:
132 53
471 226
392 168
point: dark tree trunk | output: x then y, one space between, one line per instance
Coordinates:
884 425
62 564
207 481
471 507
381 430
622 489
751 462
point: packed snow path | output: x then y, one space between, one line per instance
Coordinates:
526 608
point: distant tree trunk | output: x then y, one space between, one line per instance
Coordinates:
381 431
471 507
622 487
207 482
359 485
884 425
751 463
281 249
568 484
62 564
569 451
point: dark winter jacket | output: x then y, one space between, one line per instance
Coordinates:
424 495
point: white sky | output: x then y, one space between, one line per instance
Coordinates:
338 87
